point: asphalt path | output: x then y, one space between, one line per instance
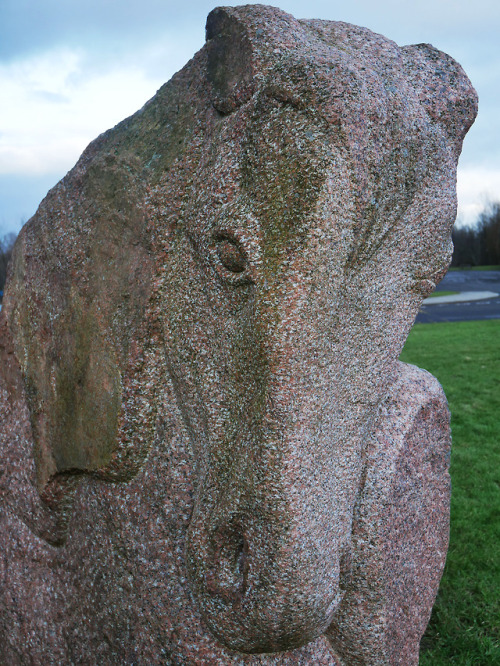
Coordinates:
475 281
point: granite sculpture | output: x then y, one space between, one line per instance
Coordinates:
210 451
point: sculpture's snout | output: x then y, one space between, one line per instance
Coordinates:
251 607
277 481
266 576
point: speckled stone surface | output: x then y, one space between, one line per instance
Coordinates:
210 452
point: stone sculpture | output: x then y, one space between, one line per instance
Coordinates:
210 452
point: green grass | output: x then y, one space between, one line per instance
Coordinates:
475 268
465 623
443 293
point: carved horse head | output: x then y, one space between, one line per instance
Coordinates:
259 238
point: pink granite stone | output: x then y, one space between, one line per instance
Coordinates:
400 527
210 452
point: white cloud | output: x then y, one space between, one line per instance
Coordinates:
51 109
55 102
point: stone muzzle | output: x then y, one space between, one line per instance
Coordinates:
263 583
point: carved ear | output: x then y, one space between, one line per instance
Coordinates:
242 45
443 89
230 60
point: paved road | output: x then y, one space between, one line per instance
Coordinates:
466 311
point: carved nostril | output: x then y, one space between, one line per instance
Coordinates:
228 573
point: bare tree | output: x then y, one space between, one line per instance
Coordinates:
489 234
479 244
6 245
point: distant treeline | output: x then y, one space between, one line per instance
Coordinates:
479 245
6 245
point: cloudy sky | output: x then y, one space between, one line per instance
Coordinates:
70 69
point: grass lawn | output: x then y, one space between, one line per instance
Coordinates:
465 357
475 268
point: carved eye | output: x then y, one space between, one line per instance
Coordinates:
230 254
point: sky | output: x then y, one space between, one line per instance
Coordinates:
71 69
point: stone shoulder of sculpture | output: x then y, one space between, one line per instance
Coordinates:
210 452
